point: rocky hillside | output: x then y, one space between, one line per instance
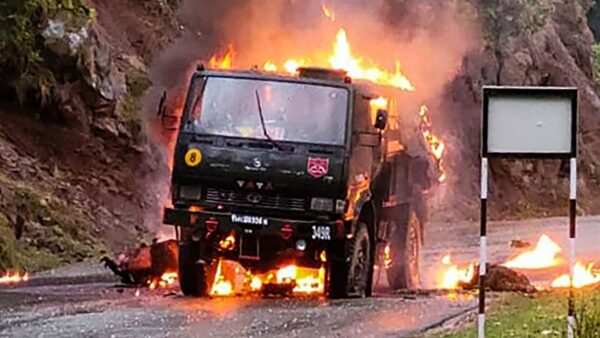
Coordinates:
542 43
78 175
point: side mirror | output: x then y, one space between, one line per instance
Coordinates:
168 121
161 105
381 119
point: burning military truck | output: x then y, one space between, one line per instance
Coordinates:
312 170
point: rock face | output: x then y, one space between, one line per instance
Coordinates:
548 44
89 97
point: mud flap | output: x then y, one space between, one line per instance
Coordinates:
249 246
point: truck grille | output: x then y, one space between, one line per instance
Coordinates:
253 199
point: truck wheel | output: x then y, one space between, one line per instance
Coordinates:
405 249
192 276
350 277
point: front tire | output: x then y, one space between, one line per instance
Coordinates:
350 276
405 249
192 276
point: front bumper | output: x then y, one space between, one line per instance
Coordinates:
262 226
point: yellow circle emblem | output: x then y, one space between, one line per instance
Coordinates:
193 157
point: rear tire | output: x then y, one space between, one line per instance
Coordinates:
350 276
405 249
192 276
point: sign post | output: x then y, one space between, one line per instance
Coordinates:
536 123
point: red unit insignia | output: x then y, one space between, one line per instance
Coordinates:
317 167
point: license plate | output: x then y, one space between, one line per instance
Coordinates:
321 232
250 220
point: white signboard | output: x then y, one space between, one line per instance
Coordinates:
526 121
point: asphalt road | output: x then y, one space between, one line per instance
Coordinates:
72 308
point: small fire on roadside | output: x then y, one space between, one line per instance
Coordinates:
300 280
582 276
543 255
304 278
454 275
168 279
221 286
13 278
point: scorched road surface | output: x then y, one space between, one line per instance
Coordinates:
98 310
102 310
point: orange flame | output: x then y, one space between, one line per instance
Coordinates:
436 145
228 243
328 12
13 278
221 286
341 58
256 283
387 256
269 66
544 255
167 279
291 66
223 61
454 275
582 276
379 103
306 280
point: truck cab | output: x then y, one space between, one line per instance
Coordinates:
309 169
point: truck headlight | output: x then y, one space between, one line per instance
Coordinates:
190 192
321 204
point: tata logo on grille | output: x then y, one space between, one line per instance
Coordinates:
257 162
254 198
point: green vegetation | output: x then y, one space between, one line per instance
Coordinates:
543 315
505 18
55 234
588 315
596 60
137 85
22 63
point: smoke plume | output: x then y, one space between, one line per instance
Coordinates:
429 38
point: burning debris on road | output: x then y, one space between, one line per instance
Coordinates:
13 278
511 276
154 265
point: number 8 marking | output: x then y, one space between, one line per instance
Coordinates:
193 157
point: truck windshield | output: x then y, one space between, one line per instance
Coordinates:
295 112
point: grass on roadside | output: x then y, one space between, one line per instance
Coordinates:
541 315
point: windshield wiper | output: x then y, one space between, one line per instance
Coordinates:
262 121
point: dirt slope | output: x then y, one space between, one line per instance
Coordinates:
539 43
74 186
